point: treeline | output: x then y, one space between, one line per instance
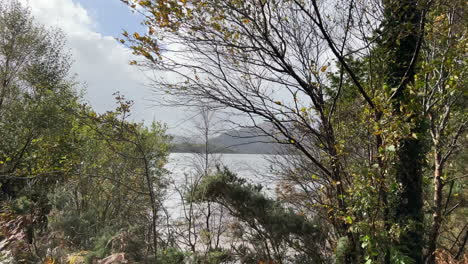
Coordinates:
71 179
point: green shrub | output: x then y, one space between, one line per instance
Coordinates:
170 256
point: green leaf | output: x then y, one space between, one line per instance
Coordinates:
349 219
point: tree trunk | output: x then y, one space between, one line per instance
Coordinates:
401 41
154 209
437 215
409 206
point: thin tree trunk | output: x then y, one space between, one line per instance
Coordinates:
437 215
154 209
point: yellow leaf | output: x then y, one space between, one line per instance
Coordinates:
278 103
72 259
324 68
145 3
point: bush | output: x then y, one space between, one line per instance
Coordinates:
170 256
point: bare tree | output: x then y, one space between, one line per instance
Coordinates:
202 221
275 62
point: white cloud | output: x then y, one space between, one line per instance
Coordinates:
100 61
66 14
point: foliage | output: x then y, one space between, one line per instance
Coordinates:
80 180
266 216
171 256
368 99
346 84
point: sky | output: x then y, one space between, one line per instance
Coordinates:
101 62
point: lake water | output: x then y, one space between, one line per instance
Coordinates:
255 168
183 169
250 166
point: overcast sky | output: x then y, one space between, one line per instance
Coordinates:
99 60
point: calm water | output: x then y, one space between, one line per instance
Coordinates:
250 166
253 167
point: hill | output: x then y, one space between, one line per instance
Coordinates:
243 141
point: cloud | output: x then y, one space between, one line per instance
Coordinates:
100 61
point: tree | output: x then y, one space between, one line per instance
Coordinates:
115 194
145 150
31 55
403 28
36 99
201 224
70 179
205 164
272 225
442 77
275 61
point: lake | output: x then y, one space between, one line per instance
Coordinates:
256 168
249 166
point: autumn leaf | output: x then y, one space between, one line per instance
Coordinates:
145 3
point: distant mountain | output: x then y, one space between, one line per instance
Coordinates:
182 144
247 140
180 139
243 141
